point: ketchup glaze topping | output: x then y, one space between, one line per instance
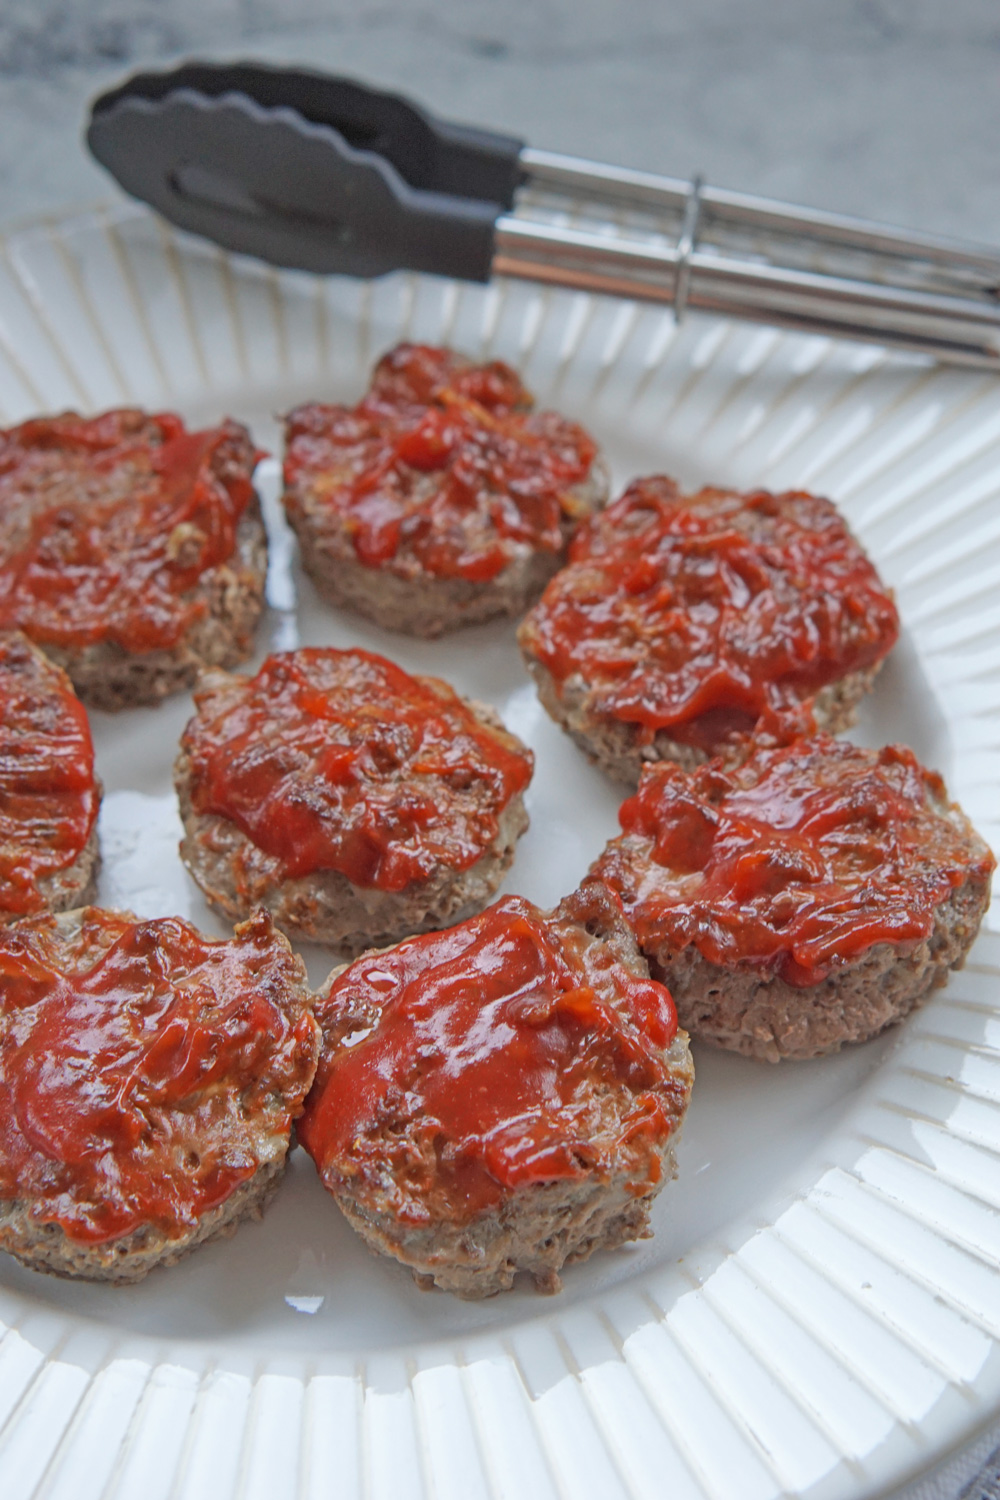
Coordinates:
696 614
107 524
801 859
340 760
510 1050
145 1071
440 468
49 798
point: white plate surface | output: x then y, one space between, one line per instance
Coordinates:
819 1311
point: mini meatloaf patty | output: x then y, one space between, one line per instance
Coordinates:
49 795
148 1082
357 803
501 1097
810 897
131 550
441 499
681 621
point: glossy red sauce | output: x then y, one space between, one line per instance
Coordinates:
340 760
48 796
485 1042
803 858
697 614
441 464
107 523
137 1074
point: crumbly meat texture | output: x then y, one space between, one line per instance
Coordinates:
182 1143
76 885
640 655
540 1224
325 905
424 605
764 1017
47 688
108 677
408 589
223 602
126 1260
622 753
792 940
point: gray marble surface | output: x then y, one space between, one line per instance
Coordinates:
889 108
886 108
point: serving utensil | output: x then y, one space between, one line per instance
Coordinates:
327 175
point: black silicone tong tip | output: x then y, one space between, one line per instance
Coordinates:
308 171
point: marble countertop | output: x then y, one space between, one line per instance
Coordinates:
884 108
888 108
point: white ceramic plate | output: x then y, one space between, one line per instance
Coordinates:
818 1313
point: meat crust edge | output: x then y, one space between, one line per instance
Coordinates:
541 1228
122 1261
536 1230
324 906
108 677
740 1010
421 603
615 747
76 885
129 1258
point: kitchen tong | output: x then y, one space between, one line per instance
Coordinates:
327 175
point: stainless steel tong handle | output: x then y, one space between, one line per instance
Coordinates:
742 256
324 174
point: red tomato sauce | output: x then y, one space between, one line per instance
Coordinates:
107 523
697 614
803 858
49 799
340 760
141 1074
487 1045
442 465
